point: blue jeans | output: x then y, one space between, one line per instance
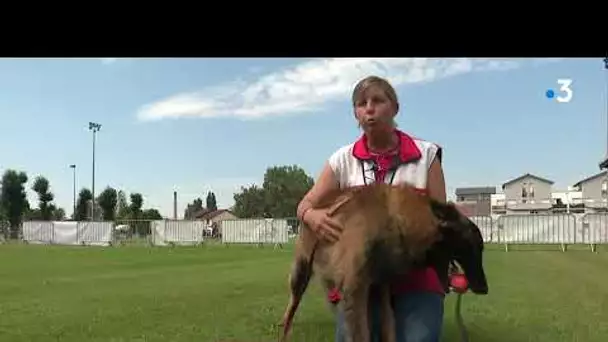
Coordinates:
418 317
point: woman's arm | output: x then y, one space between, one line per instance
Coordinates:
436 181
324 184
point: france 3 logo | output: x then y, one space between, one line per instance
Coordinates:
564 93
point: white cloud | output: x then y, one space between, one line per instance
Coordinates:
103 60
312 83
112 60
108 60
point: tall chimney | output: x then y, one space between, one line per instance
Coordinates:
175 205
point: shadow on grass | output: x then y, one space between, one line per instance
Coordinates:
482 332
323 330
320 329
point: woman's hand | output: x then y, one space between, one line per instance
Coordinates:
323 225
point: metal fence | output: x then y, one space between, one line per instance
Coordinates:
260 232
504 230
544 229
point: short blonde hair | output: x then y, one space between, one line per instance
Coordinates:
375 82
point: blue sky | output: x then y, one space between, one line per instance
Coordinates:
195 125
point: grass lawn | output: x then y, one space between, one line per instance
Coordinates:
213 293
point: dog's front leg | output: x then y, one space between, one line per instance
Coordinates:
387 315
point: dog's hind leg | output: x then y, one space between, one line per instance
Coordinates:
355 286
356 311
388 330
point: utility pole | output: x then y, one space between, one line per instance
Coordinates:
606 75
95 127
604 163
73 167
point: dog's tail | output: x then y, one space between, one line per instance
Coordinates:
298 282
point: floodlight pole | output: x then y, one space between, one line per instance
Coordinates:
73 167
606 76
94 127
604 162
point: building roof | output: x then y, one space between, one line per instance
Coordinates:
579 183
476 190
200 213
208 215
604 164
465 209
524 176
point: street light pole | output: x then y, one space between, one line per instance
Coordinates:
73 167
606 75
604 162
95 127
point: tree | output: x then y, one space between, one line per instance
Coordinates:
151 214
58 214
250 202
282 190
82 204
211 202
108 200
284 187
137 202
45 197
13 199
122 206
135 213
3 226
30 214
193 208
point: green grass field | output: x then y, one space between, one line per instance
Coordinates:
214 293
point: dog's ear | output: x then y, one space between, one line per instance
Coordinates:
446 213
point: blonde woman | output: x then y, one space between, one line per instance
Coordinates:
385 154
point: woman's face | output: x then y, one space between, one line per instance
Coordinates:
375 111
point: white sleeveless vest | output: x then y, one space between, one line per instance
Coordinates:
352 171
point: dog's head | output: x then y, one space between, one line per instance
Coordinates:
460 240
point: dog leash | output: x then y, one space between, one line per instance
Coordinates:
459 284
464 334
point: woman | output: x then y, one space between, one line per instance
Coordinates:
384 153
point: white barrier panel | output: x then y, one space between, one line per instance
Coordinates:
94 233
177 232
594 228
486 226
273 231
65 233
68 232
539 229
37 232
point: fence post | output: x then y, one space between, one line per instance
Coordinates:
586 228
500 228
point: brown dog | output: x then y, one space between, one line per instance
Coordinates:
388 230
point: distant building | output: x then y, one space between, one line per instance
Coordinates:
529 194
604 164
498 204
594 191
476 201
212 219
568 201
214 216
